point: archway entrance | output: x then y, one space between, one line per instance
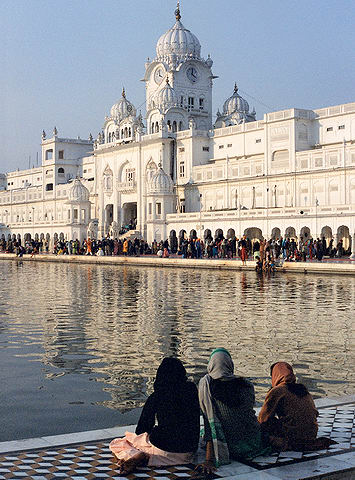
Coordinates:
218 234
129 218
208 234
253 234
305 233
173 241
290 233
327 234
182 236
275 233
108 217
231 233
343 235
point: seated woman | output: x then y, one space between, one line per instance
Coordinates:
231 427
173 441
289 416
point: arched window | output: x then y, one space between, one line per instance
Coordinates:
129 132
60 170
180 126
156 127
109 137
174 126
126 132
169 125
153 127
122 135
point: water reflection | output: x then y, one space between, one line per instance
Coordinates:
110 327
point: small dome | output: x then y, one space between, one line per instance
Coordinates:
178 42
78 192
160 182
166 97
235 103
123 108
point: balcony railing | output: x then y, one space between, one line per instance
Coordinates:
127 186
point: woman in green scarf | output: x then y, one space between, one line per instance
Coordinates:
232 430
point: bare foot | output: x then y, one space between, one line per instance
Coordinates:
128 466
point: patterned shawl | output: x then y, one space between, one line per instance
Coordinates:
220 365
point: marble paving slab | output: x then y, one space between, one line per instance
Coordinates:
85 455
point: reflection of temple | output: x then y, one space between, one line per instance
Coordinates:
115 325
291 173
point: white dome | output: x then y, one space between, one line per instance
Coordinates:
78 192
160 182
123 108
166 97
178 42
235 103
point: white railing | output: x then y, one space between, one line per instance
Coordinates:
127 186
263 212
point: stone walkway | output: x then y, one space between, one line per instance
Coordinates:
341 267
85 456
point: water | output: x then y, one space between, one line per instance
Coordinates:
80 344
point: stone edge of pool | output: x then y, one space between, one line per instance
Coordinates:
211 264
336 467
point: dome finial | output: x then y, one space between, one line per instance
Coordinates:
177 11
235 87
123 92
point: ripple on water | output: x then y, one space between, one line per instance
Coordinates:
101 331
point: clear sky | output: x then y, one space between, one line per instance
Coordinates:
63 62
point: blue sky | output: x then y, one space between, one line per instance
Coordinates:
64 62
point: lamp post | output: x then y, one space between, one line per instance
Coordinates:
200 207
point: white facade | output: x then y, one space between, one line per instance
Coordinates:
291 173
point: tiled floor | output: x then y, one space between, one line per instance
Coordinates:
336 422
89 458
77 462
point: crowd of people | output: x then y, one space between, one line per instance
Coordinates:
168 431
265 252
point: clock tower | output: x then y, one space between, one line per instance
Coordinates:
178 82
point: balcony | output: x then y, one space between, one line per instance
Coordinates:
127 187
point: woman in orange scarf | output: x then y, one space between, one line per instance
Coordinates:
289 416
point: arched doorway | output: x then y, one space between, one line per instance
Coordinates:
290 233
305 233
36 237
275 233
108 217
173 241
208 234
231 233
27 237
193 234
343 235
129 215
218 234
253 234
182 236
327 234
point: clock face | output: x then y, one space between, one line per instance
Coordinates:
192 74
159 75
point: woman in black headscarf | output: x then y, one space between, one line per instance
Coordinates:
174 404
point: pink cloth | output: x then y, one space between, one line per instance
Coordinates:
124 448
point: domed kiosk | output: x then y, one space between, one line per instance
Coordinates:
235 111
79 209
161 201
